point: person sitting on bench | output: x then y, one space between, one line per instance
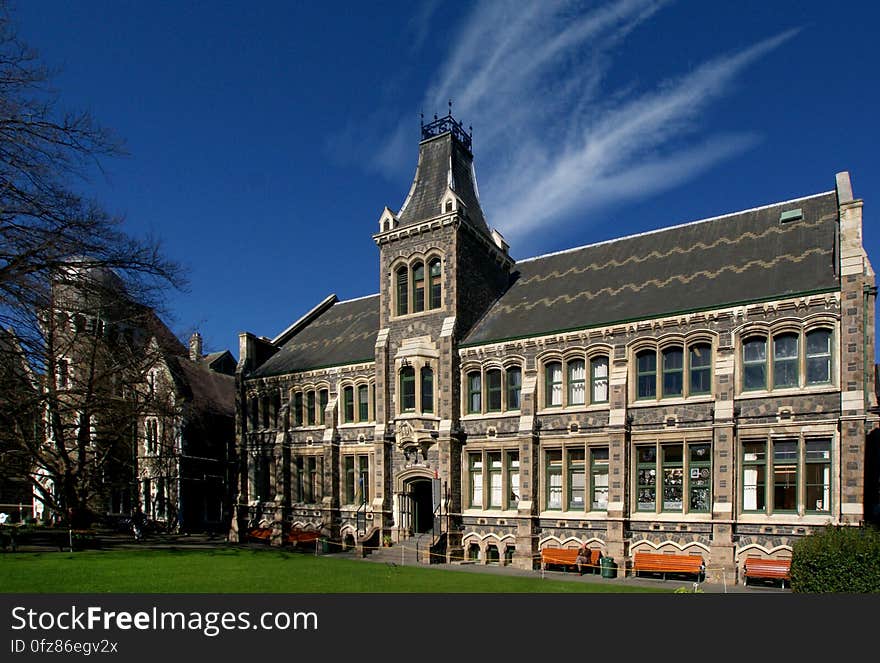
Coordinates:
583 559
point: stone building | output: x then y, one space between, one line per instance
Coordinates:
139 420
186 441
706 387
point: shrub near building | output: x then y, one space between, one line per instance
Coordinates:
838 559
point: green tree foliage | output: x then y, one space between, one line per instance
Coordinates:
838 559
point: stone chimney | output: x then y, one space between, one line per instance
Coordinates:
195 346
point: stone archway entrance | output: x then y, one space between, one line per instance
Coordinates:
417 506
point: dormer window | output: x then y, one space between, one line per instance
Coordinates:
387 221
449 202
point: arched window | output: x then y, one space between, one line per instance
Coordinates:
427 389
310 408
493 390
819 356
673 371
552 384
785 360
323 399
363 403
599 379
298 409
434 286
646 374
514 386
418 271
402 290
348 404
407 389
778 363
755 363
474 391
700 368
576 382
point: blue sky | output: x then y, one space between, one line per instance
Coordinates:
265 139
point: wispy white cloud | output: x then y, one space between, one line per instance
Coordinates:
554 137
558 134
419 26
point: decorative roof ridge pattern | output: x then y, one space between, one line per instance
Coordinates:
675 227
689 266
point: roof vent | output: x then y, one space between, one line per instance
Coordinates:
791 215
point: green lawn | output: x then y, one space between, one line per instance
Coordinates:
236 570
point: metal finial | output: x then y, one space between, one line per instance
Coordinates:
435 116
450 107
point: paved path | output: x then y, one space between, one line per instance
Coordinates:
570 576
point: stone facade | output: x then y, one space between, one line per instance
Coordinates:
726 430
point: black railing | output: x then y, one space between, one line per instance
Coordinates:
447 124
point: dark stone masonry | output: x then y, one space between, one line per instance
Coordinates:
704 389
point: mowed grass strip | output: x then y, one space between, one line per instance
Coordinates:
232 571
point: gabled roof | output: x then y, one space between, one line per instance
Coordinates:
345 333
443 163
221 362
745 256
209 392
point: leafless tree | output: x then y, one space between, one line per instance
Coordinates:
76 291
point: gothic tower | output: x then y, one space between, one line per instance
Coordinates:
441 267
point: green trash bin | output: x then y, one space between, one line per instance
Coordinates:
608 567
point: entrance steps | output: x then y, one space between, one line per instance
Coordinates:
408 552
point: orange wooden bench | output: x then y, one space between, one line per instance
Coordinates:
261 534
766 569
567 557
297 536
646 562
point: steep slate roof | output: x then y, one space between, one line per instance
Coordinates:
208 391
748 255
443 161
345 333
222 362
